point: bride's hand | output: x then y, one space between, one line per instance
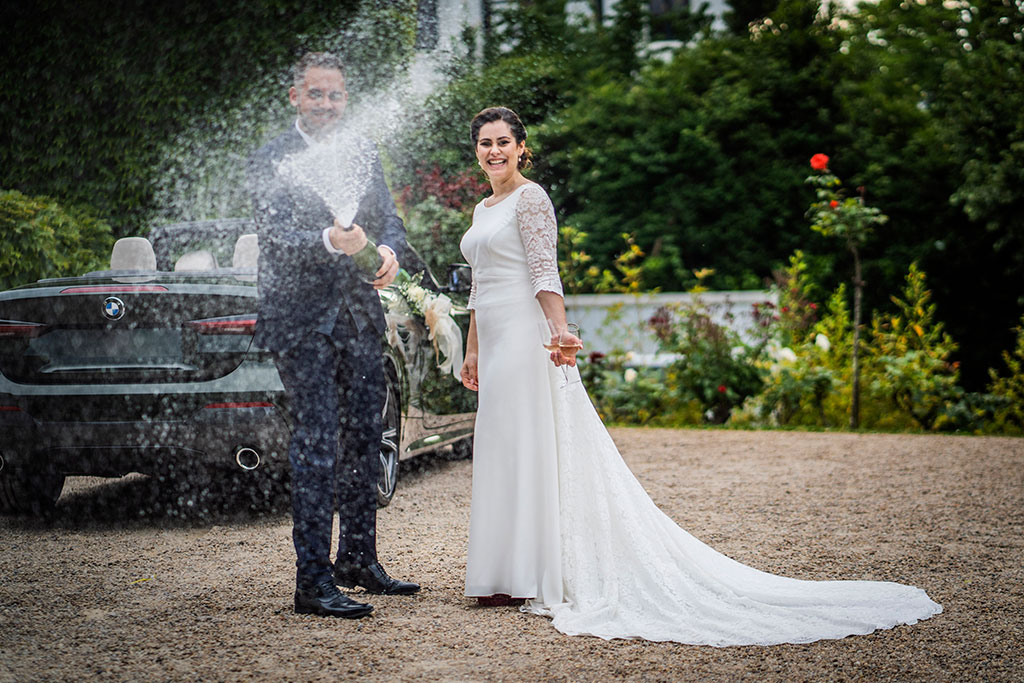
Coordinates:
569 345
468 373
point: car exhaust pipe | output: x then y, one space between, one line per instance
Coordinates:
247 458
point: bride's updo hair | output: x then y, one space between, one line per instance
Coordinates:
505 114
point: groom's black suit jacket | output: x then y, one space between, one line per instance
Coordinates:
304 288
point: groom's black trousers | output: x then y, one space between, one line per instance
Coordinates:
336 392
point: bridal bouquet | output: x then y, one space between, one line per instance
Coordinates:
436 311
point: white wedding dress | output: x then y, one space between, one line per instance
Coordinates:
558 517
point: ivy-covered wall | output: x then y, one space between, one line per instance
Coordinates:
97 91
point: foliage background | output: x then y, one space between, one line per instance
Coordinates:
96 92
142 111
43 239
700 154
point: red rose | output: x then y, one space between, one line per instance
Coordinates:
819 162
813 306
721 388
834 203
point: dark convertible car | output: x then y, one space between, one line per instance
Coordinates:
150 366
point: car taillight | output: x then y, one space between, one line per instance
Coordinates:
113 289
235 324
14 328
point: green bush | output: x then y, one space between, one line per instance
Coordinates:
1008 390
794 394
43 239
438 208
909 356
797 370
908 379
435 231
581 276
807 357
714 364
628 395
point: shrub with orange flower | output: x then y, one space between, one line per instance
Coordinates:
852 221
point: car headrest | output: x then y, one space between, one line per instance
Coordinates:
201 259
247 252
132 253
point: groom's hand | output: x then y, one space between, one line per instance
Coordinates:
349 240
388 269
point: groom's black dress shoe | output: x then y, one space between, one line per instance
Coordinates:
326 600
374 579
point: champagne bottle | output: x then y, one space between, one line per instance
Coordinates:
367 259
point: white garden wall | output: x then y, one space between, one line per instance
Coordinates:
618 322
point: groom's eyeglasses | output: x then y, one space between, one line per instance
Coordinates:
317 94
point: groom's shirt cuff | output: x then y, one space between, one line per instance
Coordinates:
327 242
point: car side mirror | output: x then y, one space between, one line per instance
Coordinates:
460 278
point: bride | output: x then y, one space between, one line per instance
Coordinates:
558 523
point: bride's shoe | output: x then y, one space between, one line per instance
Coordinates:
500 600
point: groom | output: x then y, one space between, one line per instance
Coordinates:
323 322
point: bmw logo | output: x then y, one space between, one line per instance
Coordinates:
113 308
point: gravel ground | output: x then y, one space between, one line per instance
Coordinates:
203 591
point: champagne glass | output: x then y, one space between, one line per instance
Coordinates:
569 344
566 342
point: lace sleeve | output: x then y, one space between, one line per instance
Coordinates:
536 219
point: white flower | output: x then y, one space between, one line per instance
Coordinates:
736 351
787 355
821 341
629 356
417 295
629 375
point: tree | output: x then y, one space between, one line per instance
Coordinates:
742 13
931 106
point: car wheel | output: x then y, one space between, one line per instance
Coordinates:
31 492
390 443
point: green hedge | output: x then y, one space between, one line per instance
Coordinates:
42 239
97 91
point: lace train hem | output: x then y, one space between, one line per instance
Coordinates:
579 625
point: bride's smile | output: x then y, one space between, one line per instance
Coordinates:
498 153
